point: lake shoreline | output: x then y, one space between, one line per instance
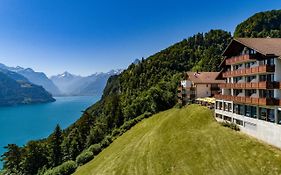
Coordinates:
23 123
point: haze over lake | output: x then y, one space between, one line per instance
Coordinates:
20 124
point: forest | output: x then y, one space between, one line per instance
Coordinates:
143 89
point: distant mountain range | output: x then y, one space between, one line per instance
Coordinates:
38 78
70 84
16 89
65 84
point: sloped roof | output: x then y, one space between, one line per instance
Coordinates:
204 77
265 46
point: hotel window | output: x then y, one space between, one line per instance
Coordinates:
236 79
252 52
267 115
225 106
219 106
248 111
253 112
235 108
269 77
250 64
227 118
269 61
219 116
266 93
238 122
229 107
279 117
250 78
237 91
238 66
241 109
263 114
270 116
250 92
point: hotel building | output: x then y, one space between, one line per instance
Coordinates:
198 85
250 96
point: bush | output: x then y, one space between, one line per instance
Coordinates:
95 149
84 157
230 125
116 132
178 106
106 141
67 168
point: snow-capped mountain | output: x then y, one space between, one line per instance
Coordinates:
38 78
70 84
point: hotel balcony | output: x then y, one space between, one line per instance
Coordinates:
239 59
249 100
255 85
249 71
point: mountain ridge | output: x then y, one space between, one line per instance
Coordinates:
15 89
38 78
71 84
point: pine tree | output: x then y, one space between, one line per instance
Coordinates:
12 159
55 147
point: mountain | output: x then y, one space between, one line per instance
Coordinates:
38 78
147 87
263 24
16 89
70 84
183 141
66 82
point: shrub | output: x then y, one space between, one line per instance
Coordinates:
230 125
106 141
67 168
178 106
95 149
116 132
147 114
84 157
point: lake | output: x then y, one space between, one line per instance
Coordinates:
20 124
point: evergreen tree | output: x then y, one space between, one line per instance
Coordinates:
72 146
55 142
35 157
12 159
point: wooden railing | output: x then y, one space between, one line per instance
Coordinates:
239 59
249 71
254 85
249 100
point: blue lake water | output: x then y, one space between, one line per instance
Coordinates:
20 124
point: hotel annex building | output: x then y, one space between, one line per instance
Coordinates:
251 94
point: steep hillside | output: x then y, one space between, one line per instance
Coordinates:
184 141
146 87
263 24
16 89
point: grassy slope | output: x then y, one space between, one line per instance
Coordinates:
184 141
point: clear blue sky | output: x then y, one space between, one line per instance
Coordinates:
87 36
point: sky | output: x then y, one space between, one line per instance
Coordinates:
88 36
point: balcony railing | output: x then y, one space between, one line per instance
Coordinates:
255 85
249 71
249 100
239 59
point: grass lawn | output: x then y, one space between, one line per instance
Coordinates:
184 141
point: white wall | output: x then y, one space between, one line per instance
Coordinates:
203 91
277 76
262 130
